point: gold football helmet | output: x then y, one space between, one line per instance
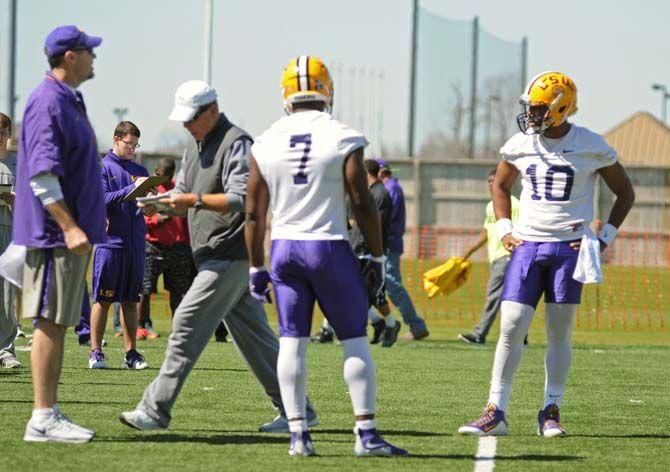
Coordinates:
548 100
306 79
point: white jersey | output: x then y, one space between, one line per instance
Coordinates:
301 158
558 182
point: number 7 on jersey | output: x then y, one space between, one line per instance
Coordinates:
305 139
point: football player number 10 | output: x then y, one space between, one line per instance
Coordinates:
549 183
306 140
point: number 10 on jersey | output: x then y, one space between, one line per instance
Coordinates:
306 140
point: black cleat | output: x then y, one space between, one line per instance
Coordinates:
324 336
378 330
391 334
472 338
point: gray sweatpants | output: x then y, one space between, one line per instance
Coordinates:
219 291
493 293
8 324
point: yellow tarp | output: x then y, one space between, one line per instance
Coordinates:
447 277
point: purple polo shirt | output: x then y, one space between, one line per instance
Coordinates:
57 137
126 226
397 215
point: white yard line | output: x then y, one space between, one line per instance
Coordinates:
486 454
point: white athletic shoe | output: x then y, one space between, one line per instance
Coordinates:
139 420
280 424
57 428
9 361
301 445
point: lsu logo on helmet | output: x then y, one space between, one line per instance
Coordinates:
548 100
306 79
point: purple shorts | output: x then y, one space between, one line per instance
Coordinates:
542 267
327 272
117 274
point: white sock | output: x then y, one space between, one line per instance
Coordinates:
298 426
374 315
365 425
359 374
292 376
390 320
42 414
515 319
560 319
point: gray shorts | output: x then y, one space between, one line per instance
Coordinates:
53 285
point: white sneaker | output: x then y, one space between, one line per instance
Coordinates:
280 424
56 428
9 361
139 420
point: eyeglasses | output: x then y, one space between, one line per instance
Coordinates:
200 111
131 145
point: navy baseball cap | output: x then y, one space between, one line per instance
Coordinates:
67 38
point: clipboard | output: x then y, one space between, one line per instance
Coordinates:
145 186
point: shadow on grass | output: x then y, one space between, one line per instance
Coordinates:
189 438
536 457
71 402
219 369
622 436
348 432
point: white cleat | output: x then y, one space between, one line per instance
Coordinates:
301 445
370 443
139 420
57 428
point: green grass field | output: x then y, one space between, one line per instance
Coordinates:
617 411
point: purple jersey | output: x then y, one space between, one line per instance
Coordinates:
397 215
126 226
56 137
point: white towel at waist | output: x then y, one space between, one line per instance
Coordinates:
587 270
11 264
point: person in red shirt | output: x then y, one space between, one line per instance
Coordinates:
169 253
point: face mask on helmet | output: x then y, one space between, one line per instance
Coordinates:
535 119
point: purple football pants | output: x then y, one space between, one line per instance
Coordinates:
327 272
542 267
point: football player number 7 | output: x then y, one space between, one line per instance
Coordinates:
550 182
306 140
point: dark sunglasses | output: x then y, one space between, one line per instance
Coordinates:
200 111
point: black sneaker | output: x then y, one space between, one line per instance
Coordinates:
472 338
391 334
378 329
221 333
324 336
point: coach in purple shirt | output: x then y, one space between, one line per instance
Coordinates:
394 287
118 264
59 214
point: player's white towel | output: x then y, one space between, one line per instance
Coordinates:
11 264
588 270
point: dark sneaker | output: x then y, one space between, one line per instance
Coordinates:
134 360
301 444
324 336
491 423
391 334
370 443
96 360
472 338
549 423
378 328
221 333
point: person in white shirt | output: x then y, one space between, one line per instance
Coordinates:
559 163
303 167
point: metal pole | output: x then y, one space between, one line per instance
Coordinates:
473 87
412 79
207 68
11 59
664 107
524 62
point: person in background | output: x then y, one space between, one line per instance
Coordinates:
394 287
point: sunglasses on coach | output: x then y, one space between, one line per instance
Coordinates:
200 111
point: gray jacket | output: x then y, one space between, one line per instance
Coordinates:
219 164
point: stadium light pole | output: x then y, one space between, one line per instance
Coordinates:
664 100
10 91
412 80
207 66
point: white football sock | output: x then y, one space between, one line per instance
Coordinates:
292 376
390 320
297 426
374 315
42 414
560 319
515 319
365 425
359 374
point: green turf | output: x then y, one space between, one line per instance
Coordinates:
617 411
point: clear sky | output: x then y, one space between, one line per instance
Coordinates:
614 50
